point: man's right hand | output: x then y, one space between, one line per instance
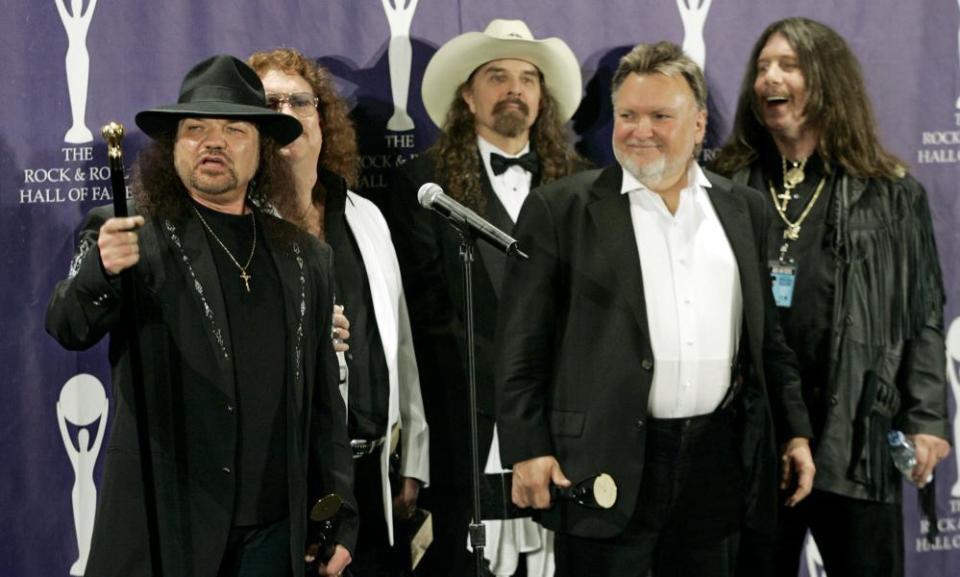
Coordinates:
532 479
119 244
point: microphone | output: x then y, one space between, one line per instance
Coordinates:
596 492
465 220
324 515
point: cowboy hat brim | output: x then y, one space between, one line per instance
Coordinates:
456 60
164 119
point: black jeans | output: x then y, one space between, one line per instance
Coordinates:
688 512
374 557
258 551
855 538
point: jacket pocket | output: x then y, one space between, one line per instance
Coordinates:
567 423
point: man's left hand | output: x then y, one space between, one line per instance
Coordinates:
335 565
405 503
797 460
930 451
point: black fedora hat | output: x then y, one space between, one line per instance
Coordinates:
221 87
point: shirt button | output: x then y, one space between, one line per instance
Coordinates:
640 424
646 364
229 408
226 470
834 400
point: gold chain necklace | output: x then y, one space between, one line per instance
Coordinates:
243 269
792 232
791 179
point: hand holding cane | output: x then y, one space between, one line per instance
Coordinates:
129 307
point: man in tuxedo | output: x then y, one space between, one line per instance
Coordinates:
501 98
246 423
639 340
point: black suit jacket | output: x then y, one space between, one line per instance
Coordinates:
575 363
190 388
428 249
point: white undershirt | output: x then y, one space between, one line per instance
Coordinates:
691 287
513 185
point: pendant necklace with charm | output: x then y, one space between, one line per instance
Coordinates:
243 268
792 230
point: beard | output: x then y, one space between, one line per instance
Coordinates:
510 122
649 175
214 185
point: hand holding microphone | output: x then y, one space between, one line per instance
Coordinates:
540 483
596 492
467 221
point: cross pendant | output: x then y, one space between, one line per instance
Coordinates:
246 279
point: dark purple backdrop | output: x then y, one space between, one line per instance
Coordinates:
137 53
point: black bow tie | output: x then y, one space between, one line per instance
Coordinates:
528 162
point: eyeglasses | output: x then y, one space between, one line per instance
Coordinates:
302 104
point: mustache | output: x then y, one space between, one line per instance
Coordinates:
639 142
214 155
502 106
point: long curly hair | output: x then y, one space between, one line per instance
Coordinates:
458 164
339 153
160 193
837 105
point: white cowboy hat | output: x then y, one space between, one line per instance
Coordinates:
456 60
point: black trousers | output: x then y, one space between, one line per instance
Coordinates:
688 512
855 538
258 551
374 557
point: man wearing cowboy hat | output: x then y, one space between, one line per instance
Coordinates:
239 370
501 97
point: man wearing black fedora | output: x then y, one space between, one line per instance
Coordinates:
246 423
501 98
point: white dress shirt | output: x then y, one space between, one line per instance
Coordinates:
691 287
513 185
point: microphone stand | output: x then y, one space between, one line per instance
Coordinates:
129 309
478 533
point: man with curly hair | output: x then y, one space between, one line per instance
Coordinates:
382 388
239 375
501 98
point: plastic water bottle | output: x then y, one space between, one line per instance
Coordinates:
903 454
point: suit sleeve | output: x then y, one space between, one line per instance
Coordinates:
86 305
414 436
527 324
419 253
924 389
331 461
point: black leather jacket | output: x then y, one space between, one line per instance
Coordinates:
887 358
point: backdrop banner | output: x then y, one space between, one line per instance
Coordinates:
71 66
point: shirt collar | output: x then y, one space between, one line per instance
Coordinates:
696 179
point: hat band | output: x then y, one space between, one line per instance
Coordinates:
225 94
